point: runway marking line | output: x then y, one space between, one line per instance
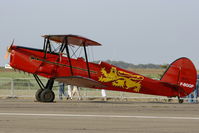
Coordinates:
100 116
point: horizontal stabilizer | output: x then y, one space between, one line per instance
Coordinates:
177 88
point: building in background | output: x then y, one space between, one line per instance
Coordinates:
7 66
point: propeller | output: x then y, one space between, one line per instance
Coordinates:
8 50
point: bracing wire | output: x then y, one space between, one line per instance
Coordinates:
74 52
92 54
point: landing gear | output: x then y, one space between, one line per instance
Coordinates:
45 93
38 95
180 100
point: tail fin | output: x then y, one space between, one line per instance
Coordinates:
182 73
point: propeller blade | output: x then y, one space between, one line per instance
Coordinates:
6 55
12 42
8 50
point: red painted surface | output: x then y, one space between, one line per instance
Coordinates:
179 79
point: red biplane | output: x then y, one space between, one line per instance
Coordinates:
58 64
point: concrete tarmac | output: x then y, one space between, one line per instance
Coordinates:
27 116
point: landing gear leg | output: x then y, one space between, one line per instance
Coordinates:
41 85
180 100
45 93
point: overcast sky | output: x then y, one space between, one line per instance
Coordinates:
134 31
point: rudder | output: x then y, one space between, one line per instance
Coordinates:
182 73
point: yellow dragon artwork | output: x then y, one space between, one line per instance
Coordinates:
121 79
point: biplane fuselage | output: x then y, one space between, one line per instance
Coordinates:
80 72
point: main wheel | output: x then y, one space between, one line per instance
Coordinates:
38 95
47 95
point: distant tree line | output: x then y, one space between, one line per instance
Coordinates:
125 65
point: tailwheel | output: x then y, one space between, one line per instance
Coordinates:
38 95
47 95
180 100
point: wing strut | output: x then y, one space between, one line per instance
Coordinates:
86 60
68 54
46 46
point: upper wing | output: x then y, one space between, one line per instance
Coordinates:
72 40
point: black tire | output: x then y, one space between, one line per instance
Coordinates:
47 95
180 100
38 95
